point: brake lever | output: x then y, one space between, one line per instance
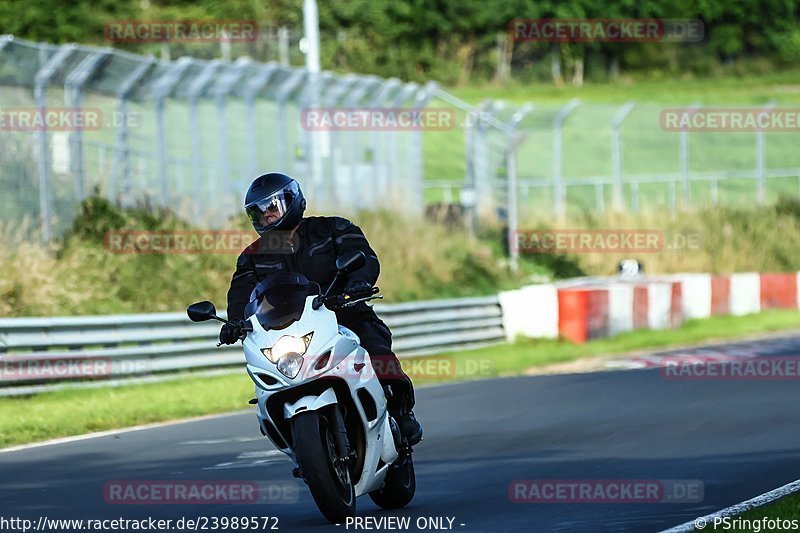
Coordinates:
365 299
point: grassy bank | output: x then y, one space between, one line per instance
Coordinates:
742 90
419 259
77 411
79 275
717 240
787 508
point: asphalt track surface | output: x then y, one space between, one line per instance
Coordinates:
739 438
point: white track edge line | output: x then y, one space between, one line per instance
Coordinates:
753 503
155 425
110 432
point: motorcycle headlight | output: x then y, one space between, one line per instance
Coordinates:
287 353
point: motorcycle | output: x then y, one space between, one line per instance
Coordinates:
317 395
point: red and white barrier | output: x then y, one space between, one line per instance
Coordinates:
589 308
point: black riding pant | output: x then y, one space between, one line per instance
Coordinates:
376 339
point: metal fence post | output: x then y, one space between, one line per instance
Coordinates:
252 87
121 146
73 92
416 186
381 144
357 180
684 162
281 96
196 89
162 88
514 141
616 160
761 158
468 191
330 99
479 145
408 90
220 90
560 195
41 81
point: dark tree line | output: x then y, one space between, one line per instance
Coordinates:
455 41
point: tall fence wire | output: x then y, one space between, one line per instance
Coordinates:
190 134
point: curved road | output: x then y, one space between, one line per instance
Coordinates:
738 438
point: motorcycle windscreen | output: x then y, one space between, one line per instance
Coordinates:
278 306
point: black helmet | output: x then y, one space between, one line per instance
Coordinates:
274 201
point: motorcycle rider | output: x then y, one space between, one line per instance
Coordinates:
309 246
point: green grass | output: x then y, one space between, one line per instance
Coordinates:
787 508
752 89
77 411
647 149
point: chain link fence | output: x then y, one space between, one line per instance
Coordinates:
191 134
593 157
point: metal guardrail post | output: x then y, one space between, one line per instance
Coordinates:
559 190
41 81
196 89
162 88
684 162
761 158
121 146
616 161
73 87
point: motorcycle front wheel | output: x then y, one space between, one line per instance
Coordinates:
328 478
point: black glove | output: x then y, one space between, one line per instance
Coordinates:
229 333
357 287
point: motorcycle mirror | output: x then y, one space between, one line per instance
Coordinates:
201 311
350 262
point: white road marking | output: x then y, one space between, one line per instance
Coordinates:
758 501
252 459
113 432
222 441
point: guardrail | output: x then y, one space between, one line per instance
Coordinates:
38 354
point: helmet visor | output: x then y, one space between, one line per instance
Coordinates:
268 211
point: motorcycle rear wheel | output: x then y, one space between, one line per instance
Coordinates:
399 486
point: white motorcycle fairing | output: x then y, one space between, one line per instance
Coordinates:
335 369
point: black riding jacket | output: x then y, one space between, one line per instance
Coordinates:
316 244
